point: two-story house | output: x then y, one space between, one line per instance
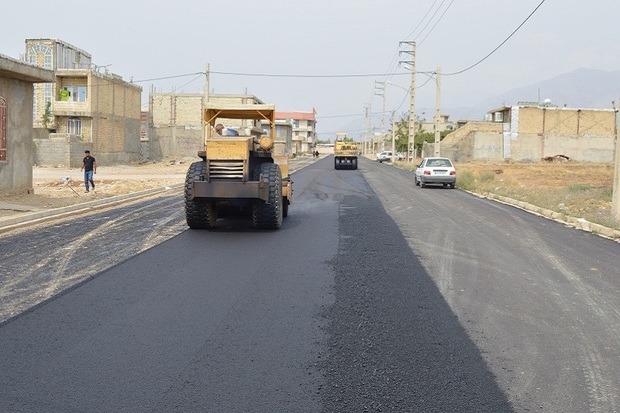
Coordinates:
99 109
51 54
86 107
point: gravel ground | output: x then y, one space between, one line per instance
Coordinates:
57 187
60 187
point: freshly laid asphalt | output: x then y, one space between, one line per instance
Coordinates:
31 215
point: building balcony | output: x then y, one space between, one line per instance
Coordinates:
67 108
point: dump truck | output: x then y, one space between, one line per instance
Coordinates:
345 152
241 173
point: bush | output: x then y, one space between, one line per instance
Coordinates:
466 179
486 176
578 187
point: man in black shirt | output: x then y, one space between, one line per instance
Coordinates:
89 166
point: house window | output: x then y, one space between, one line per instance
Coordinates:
72 93
47 101
2 129
74 126
296 123
40 55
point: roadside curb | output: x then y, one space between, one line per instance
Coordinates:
578 223
46 215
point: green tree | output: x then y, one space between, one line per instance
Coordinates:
402 135
46 118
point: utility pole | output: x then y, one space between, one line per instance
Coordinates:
205 100
615 204
367 129
380 91
393 135
411 63
207 85
437 112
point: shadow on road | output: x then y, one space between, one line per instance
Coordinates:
395 344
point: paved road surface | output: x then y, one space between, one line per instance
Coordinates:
374 296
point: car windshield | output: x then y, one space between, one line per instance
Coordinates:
438 162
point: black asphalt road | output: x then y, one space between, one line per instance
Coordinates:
375 295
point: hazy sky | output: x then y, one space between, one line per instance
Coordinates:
317 46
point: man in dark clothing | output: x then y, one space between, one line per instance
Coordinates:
89 166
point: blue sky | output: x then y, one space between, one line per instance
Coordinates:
307 51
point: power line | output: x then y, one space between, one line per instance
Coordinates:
275 75
437 22
422 20
432 17
500 45
169 77
283 75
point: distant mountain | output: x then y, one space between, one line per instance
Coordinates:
581 88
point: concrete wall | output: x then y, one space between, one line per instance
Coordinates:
584 135
175 142
533 133
16 171
61 151
480 141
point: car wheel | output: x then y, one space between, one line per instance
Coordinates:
417 183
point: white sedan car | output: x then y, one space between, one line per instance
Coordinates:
435 171
386 156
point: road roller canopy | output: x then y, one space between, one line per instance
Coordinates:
217 113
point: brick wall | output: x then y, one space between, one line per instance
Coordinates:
179 110
584 135
176 122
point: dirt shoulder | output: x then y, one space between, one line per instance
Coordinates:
58 187
61 187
